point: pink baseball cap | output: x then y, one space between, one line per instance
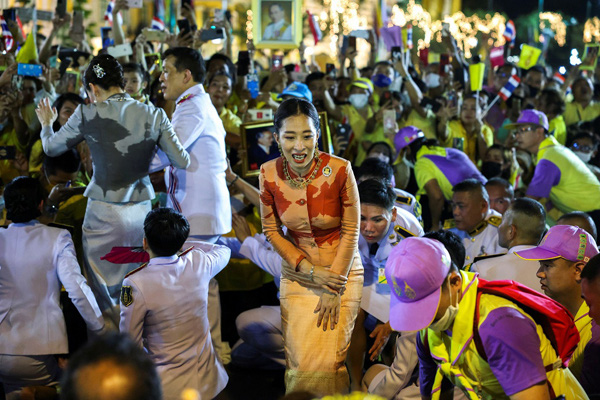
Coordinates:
530 117
569 242
415 271
406 136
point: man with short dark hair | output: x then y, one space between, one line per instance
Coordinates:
200 191
580 219
501 194
590 287
522 227
474 221
559 174
563 254
111 368
163 305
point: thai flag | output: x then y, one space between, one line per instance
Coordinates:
314 27
108 14
409 36
157 24
9 41
510 33
558 77
509 88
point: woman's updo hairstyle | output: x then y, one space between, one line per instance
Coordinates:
104 71
22 197
291 107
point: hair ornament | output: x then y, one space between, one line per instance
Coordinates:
99 71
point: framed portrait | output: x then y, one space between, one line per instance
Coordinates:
259 146
277 24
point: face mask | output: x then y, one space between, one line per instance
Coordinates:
446 321
359 100
491 169
432 81
381 80
585 157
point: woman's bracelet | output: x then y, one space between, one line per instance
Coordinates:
230 184
312 271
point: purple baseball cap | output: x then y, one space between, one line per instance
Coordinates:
406 136
569 242
530 117
415 271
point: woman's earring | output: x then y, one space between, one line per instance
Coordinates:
280 150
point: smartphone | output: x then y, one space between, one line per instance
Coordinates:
17 82
8 152
120 50
53 62
212 34
134 3
444 60
277 62
252 85
389 120
445 29
184 26
29 70
260 114
219 15
452 98
361 33
396 54
345 44
330 70
190 2
352 42
77 30
458 143
243 64
61 8
154 35
10 13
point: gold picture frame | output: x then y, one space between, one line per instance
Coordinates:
285 33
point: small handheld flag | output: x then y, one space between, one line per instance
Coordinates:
158 24
314 27
508 89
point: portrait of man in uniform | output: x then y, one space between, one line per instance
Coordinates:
280 27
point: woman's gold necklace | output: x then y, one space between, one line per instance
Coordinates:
300 182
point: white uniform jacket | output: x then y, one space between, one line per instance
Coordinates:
200 191
163 308
34 260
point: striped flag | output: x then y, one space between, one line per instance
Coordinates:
558 77
108 14
510 33
8 38
157 24
407 37
314 27
509 88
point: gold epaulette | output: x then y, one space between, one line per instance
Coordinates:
479 228
485 257
404 200
449 224
141 267
183 253
494 220
405 233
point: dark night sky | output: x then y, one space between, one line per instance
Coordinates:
514 8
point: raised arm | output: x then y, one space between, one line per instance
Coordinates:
69 135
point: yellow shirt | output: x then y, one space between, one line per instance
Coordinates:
558 129
456 129
231 122
583 322
574 112
427 124
358 124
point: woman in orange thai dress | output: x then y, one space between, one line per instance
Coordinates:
315 196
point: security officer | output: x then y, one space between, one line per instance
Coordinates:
474 221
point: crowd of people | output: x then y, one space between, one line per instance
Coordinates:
395 233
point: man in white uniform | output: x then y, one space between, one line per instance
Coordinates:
164 306
474 221
522 228
200 191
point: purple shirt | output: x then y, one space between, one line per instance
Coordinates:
511 345
456 166
590 371
546 175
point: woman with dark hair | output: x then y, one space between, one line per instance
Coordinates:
316 197
122 135
36 261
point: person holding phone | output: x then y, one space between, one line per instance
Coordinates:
279 28
122 135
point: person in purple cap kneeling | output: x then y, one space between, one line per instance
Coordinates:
437 170
430 293
559 174
563 255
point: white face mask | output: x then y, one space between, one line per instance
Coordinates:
358 100
585 157
446 321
